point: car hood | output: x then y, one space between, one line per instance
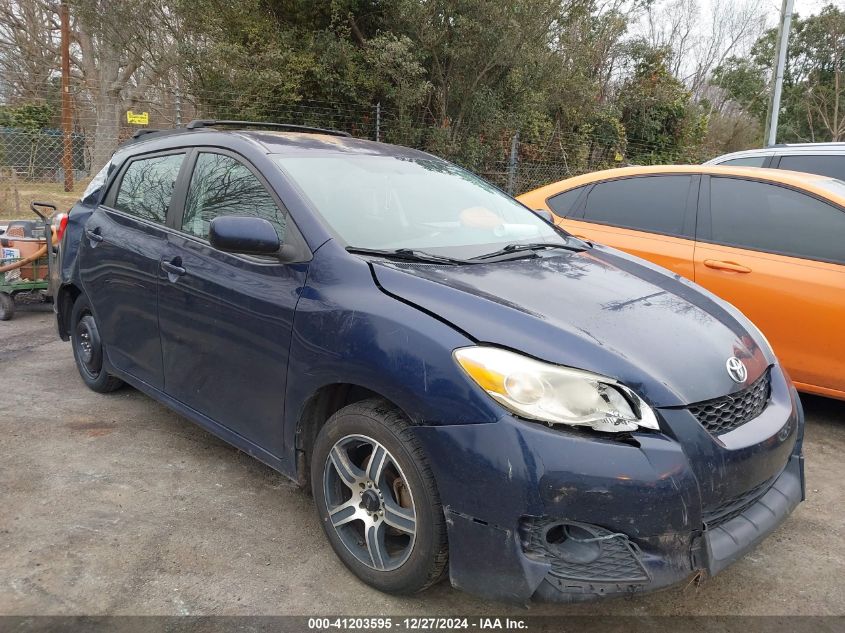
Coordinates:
599 310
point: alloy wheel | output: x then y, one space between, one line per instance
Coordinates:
369 502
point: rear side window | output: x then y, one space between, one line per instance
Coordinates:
221 185
775 219
830 165
656 204
147 187
97 181
748 161
562 203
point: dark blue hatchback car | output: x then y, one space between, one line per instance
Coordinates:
466 389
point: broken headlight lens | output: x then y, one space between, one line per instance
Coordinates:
553 394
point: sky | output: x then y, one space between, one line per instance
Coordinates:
702 27
802 7
772 8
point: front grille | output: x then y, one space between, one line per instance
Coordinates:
722 415
735 506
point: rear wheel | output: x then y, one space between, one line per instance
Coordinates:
7 306
377 499
88 348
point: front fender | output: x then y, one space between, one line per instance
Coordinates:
347 330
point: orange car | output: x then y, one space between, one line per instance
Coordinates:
771 242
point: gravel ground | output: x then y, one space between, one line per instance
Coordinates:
114 505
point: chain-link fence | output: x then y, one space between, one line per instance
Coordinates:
32 148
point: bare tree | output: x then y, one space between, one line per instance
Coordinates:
119 52
29 48
674 25
118 57
734 28
700 43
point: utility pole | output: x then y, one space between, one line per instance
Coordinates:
67 122
512 162
780 63
378 121
178 104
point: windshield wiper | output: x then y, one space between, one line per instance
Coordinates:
532 247
408 254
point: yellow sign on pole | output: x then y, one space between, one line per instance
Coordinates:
138 118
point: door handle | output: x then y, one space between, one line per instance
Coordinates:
731 266
94 234
173 268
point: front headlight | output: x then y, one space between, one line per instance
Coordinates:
556 395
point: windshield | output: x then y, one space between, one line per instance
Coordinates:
389 203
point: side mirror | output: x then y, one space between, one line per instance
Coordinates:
545 214
250 236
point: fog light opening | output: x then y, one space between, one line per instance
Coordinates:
573 543
556 535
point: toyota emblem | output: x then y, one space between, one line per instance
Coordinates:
736 369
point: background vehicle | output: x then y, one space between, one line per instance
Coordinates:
465 388
768 241
824 159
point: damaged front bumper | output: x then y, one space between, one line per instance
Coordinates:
535 513
619 566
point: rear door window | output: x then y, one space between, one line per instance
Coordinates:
656 204
222 185
775 219
147 187
830 165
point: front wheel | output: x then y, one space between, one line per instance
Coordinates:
377 499
88 348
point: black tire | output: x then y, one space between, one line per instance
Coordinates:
7 306
88 348
423 563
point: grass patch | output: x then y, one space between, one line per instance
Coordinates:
15 197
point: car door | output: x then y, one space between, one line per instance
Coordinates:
226 318
777 254
649 216
125 237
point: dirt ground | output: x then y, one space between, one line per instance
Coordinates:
114 505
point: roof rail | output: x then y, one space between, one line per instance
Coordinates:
811 145
201 123
144 130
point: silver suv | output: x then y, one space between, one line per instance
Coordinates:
825 159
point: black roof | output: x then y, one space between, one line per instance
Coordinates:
273 137
146 134
288 127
